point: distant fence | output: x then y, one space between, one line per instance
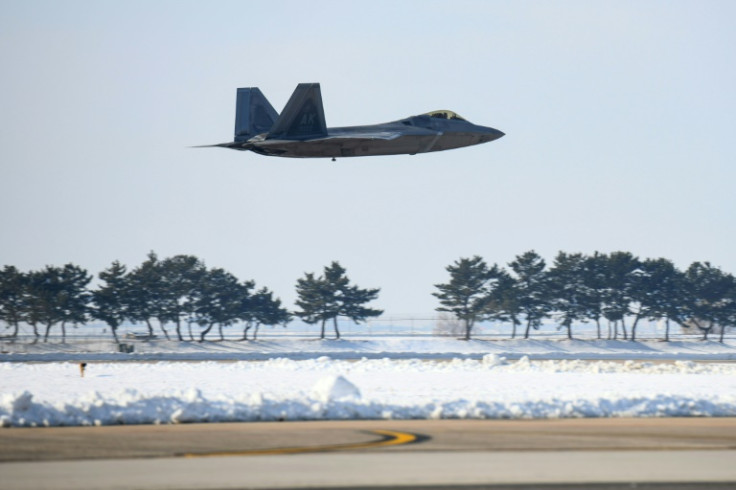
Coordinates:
396 326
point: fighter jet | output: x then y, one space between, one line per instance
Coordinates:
300 131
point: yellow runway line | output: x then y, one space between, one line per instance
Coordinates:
389 438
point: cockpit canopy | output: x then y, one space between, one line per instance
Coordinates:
445 115
432 120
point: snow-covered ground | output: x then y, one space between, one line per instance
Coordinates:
368 378
353 348
54 393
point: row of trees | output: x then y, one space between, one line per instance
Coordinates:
176 291
180 291
589 288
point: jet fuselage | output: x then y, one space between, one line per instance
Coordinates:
394 138
300 131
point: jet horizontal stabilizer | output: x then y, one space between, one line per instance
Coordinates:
235 145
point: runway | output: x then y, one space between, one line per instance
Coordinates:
595 453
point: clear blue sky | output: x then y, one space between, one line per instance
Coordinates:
620 120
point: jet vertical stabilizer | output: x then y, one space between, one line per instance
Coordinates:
303 117
254 115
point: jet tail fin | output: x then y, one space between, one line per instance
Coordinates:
254 114
303 117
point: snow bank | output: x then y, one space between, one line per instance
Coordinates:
283 389
335 388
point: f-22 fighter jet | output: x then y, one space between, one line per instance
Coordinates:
300 131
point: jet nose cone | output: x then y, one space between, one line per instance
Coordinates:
490 134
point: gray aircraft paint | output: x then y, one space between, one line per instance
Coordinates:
301 132
254 115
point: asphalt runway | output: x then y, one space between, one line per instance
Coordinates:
570 453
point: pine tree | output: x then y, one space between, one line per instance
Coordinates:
655 290
330 296
181 276
267 310
12 297
109 302
315 302
504 302
246 307
216 300
75 297
620 269
58 295
353 307
44 289
727 316
145 294
568 290
709 290
532 284
467 295
594 280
